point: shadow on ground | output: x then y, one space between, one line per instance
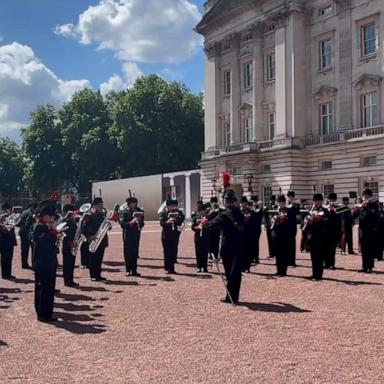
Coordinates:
273 307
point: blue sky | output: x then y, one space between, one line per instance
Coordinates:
44 46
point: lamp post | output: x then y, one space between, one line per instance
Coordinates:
248 177
214 181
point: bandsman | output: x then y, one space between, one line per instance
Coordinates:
201 238
231 223
7 243
45 260
171 220
131 221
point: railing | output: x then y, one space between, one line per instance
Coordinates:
289 142
344 136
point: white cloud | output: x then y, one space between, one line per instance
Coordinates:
139 30
131 72
26 82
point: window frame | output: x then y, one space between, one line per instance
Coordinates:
323 54
248 129
271 125
271 69
372 107
227 82
363 44
328 116
248 75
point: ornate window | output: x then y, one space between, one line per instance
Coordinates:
327 189
369 109
271 67
326 118
267 193
248 129
271 125
247 75
227 83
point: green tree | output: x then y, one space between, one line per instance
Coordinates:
84 125
43 150
158 126
11 167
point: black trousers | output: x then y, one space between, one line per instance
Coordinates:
369 250
25 245
317 258
95 262
84 252
6 253
349 239
330 255
282 251
201 252
131 254
270 242
45 282
233 267
292 248
214 243
68 265
170 247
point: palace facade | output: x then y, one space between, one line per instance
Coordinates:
294 96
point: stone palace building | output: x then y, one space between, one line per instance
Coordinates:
294 96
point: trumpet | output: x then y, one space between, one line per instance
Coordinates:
174 215
280 218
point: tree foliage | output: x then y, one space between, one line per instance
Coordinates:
153 127
11 167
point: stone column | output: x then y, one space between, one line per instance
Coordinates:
258 82
280 81
212 97
235 89
173 187
344 74
188 196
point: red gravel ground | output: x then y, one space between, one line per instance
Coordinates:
162 329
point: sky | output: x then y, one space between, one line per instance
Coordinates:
50 49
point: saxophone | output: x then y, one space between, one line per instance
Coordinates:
105 226
79 239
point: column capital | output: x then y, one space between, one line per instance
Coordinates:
257 29
212 50
342 5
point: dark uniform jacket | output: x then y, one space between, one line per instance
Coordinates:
170 230
45 251
92 225
369 221
125 220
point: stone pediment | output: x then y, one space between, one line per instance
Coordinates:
246 106
367 80
324 91
221 10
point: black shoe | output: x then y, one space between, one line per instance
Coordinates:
369 270
136 274
332 267
9 277
48 320
95 279
293 265
276 274
57 290
362 270
128 274
73 284
225 300
26 266
198 270
205 270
